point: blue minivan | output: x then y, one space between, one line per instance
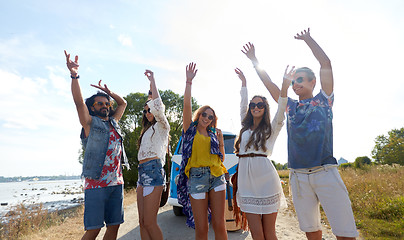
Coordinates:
230 162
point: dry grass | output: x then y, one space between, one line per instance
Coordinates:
66 224
377 197
22 220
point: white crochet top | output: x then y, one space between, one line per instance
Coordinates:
155 139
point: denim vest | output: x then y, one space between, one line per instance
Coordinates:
96 146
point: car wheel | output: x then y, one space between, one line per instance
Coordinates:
177 211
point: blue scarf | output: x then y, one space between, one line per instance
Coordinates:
182 185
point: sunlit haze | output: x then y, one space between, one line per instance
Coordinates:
117 40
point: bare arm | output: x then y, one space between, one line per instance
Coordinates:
240 75
187 111
287 79
157 108
249 51
118 99
84 115
220 138
150 75
326 76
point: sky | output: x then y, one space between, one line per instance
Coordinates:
117 40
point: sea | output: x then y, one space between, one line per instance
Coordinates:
53 195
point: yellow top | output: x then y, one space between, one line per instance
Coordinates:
201 157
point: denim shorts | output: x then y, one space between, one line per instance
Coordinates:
103 205
151 173
201 180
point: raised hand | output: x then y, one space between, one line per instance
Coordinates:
102 88
287 79
72 66
288 76
191 71
149 74
303 35
240 74
249 51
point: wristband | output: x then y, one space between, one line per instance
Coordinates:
190 82
78 76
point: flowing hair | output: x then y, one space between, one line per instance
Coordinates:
260 134
201 110
146 125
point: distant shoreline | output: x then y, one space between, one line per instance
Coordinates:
38 178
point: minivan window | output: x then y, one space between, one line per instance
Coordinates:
228 144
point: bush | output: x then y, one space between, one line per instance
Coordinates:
345 166
389 209
360 162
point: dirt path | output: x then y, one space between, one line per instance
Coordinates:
174 227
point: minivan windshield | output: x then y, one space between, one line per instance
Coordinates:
228 144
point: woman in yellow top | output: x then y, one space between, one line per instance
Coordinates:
201 179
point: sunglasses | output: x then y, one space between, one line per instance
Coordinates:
100 104
146 111
298 80
259 105
210 117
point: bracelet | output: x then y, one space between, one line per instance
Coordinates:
78 76
190 82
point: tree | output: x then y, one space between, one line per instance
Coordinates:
131 127
279 166
389 149
362 161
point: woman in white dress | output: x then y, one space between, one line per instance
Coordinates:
259 191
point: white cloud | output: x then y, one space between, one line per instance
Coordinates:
125 40
57 76
29 101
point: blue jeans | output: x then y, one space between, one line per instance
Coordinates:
103 205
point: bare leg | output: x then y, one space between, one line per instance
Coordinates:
151 204
144 235
256 226
111 233
268 223
217 205
200 211
91 234
314 235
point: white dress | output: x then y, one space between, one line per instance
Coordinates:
259 187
